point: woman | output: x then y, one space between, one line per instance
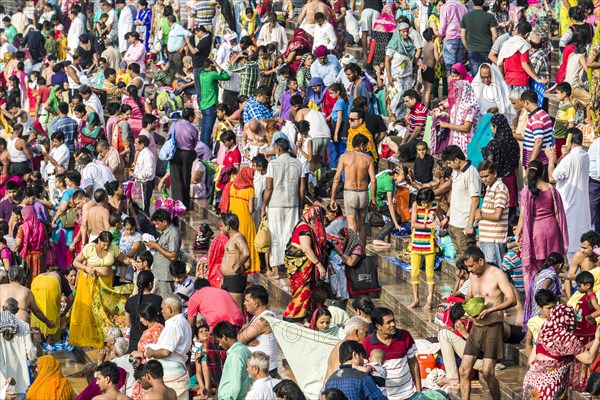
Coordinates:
593 62
553 356
64 218
238 198
545 278
539 16
288 390
117 201
143 22
138 108
50 383
505 152
564 21
149 318
542 223
339 25
500 12
315 93
464 115
350 252
304 76
92 133
297 49
304 257
364 307
383 29
30 243
96 303
144 286
399 60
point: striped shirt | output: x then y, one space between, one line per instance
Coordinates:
496 196
203 12
423 240
417 117
539 126
512 264
249 73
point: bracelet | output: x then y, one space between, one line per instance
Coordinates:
470 226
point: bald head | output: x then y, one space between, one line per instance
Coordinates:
11 305
253 125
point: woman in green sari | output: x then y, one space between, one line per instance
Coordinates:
92 133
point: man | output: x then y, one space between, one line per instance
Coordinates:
173 345
464 199
539 58
34 41
68 126
10 202
374 123
20 156
594 185
15 289
258 331
255 108
324 33
57 161
451 16
354 383
199 45
225 55
478 33
404 376
585 259
415 118
17 350
125 24
144 170
209 83
110 22
76 29
273 33
111 157
493 214
315 123
514 61
358 126
485 337
136 52
176 45
92 102
237 254
107 378
9 29
183 285
325 66
495 50
234 381
356 329
571 176
492 92
214 304
150 375
167 250
249 72
356 166
98 215
82 204
262 384
92 175
357 86
186 138
538 131
6 47
202 14
282 199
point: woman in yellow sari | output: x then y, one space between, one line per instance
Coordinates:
564 21
50 384
97 305
593 63
47 289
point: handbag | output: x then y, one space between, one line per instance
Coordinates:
362 278
167 151
262 241
68 218
137 193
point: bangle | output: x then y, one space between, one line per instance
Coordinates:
470 226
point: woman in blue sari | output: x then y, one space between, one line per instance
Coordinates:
142 22
63 236
480 140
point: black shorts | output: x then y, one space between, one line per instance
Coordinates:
234 283
428 75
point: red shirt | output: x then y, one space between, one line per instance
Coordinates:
215 305
232 157
417 117
514 73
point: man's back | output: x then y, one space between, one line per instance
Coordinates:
19 293
98 219
285 172
356 169
215 305
355 384
160 393
478 24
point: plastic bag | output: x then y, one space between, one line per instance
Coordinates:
174 207
137 194
262 241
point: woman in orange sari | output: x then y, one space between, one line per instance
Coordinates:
50 384
30 243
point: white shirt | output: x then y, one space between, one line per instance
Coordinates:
94 103
318 125
175 337
76 30
262 389
14 355
124 363
145 166
7 48
61 155
594 154
125 26
92 175
324 35
276 35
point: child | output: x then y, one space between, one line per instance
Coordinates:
565 117
304 147
6 254
424 221
122 74
51 44
286 105
577 66
424 163
430 55
379 373
545 300
281 83
321 320
513 265
222 124
116 225
129 244
62 45
200 382
587 308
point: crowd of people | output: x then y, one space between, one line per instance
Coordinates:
442 123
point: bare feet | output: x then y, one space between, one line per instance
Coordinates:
446 381
272 273
414 304
427 307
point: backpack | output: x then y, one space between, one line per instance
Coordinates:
203 235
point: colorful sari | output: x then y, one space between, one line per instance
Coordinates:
594 81
216 251
384 28
339 27
465 109
301 271
301 43
91 133
150 336
33 236
50 382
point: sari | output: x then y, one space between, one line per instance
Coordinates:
47 292
402 52
547 379
301 271
594 81
50 383
480 140
466 109
464 76
33 236
91 133
303 76
384 28
150 336
301 43
216 251
339 27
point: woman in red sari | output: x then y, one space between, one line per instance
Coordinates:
30 242
300 45
303 260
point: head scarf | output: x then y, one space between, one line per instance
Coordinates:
495 94
301 40
503 149
462 71
400 45
313 319
386 22
90 136
313 96
243 180
557 336
50 382
37 128
465 103
33 231
54 100
314 217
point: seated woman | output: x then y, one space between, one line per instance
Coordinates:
50 383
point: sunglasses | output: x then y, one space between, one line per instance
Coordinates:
353 119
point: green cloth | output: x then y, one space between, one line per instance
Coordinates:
10 33
385 184
209 87
235 381
478 24
163 23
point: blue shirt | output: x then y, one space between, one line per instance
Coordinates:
255 110
177 36
355 384
68 126
340 105
328 72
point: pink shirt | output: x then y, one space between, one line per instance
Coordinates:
152 145
215 305
451 16
136 54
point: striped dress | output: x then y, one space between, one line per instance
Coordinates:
423 240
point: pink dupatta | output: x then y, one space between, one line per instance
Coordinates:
34 232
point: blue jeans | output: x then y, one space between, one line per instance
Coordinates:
493 252
209 116
239 8
476 58
453 52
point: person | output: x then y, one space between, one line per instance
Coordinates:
304 261
465 190
478 32
173 345
325 66
355 166
355 329
209 81
586 308
273 33
571 176
30 242
545 301
492 92
186 137
237 254
107 377
256 303
464 114
585 259
262 383
546 278
486 336
350 379
214 304
234 381
183 284
324 33
392 205
50 383
552 358
542 218
407 150
451 15
593 64
134 304
144 170
167 250
150 375
96 215
47 289
288 390
20 156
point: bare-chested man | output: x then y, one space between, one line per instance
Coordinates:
98 215
584 260
358 169
107 378
485 338
151 376
357 329
235 259
4 158
82 203
254 138
24 296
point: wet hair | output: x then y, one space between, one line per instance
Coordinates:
592 237
585 278
456 312
473 252
110 370
288 390
544 297
258 292
359 140
535 173
425 195
231 220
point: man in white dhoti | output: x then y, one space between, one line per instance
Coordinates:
491 91
571 176
125 24
282 199
76 29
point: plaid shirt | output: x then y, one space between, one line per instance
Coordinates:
256 110
249 73
69 127
356 385
541 64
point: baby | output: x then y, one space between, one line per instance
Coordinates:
379 373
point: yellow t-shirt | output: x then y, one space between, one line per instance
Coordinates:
565 115
534 325
124 77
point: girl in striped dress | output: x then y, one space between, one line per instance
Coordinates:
424 221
